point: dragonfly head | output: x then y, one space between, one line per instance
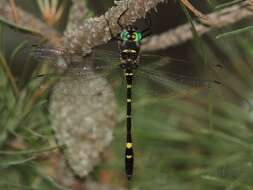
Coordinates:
131 34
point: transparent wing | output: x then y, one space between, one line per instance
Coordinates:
163 76
44 53
48 53
173 72
157 68
173 69
161 68
103 62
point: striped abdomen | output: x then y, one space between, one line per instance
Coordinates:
129 154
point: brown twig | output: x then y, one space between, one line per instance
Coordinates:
51 11
44 87
183 33
14 10
193 9
9 75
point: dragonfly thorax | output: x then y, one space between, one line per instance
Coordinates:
129 55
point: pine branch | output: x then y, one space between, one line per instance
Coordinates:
78 13
183 33
95 31
27 22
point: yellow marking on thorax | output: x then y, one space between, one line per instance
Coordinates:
129 86
129 145
129 74
128 116
129 100
129 50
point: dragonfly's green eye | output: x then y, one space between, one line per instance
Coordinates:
124 36
137 36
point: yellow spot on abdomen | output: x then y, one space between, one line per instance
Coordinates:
129 145
129 156
129 100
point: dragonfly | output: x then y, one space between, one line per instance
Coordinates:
133 64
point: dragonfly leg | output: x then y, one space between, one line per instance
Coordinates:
117 37
147 31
